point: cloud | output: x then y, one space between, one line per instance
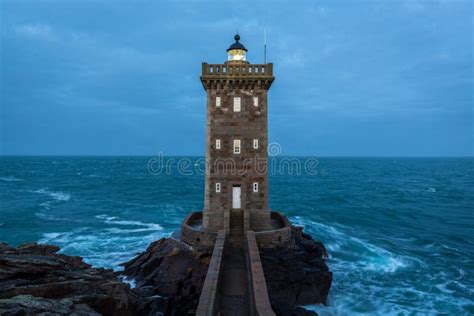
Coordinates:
37 31
139 66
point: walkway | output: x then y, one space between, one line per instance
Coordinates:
233 293
235 283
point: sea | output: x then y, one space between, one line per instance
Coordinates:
399 231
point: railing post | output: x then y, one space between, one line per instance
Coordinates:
269 70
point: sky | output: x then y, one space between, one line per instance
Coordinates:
353 78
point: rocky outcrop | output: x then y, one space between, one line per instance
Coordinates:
35 279
169 275
171 269
32 305
296 274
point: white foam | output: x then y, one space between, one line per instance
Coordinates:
46 205
366 255
116 221
360 274
44 216
10 179
130 281
48 237
105 247
115 230
59 196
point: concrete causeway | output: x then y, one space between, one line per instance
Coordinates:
235 283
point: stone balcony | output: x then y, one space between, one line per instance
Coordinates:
237 73
237 69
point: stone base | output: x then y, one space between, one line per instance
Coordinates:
276 233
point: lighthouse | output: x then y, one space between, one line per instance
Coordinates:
236 221
236 178
236 181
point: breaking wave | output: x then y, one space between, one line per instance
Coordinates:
377 277
116 221
107 246
363 254
58 196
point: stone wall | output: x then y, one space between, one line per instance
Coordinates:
259 220
192 233
278 236
259 292
273 238
208 300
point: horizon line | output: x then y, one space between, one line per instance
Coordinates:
193 155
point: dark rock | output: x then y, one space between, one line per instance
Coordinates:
296 274
29 305
34 279
172 269
285 309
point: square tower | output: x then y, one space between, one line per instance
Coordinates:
236 140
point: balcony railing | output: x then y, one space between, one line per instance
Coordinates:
237 70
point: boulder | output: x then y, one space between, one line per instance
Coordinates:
35 279
296 274
172 269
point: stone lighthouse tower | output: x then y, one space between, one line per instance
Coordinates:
236 182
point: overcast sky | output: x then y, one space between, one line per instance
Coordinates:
353 78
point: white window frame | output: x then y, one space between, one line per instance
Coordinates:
218 187
236 148
218 144
255 187
218 101
237 104
255 101
255 143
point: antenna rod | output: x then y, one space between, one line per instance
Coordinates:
265 46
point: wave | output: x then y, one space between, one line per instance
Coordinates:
49 217
101 248
58 196
116 221
10 179
381 281
108 247
364 255
45 216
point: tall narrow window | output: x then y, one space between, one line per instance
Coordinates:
236 104
218 187
255 187
236 146
255 144
218 101
218 144
255 101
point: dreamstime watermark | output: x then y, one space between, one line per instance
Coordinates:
257 165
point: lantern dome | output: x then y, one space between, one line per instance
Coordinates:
237 51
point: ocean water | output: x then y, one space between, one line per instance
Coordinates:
400 231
